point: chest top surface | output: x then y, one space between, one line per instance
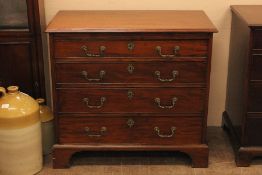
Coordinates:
251 14
131 21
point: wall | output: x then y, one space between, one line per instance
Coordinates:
217 10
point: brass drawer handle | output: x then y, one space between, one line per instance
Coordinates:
158 102
173 129
175 52
102 100
101 50
93 134
174 74
101 76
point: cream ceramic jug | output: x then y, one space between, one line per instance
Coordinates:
46 117
20 133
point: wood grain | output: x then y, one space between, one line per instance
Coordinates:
143 73
190 30
256 71
142 48
253 131
197 152
189 100
244 154
72 130
255 98
244 93
251 14
21 53
131 21
13 55
237 86
257 39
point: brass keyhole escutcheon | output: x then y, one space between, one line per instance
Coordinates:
130 122
130 94
130 68
131 46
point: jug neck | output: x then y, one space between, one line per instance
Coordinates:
12 90
40 101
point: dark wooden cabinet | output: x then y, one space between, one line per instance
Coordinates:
243 115
130 81
21 53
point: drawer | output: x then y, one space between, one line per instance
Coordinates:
255 98
147 48
256 71
257 39
130 130
131 72
131 100
253 131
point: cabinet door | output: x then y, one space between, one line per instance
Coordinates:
13 14
18 66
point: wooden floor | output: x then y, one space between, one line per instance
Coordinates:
221 162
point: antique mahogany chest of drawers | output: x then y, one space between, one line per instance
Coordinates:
130 81
243 115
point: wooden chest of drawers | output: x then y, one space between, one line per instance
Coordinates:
243 115
130 81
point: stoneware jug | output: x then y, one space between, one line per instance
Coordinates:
20 133
46 117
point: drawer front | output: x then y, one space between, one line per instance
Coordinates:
255 98
130 130
257 39
150 48
256 71
253 131
145 72
138 100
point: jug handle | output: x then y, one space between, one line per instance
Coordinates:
2 92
